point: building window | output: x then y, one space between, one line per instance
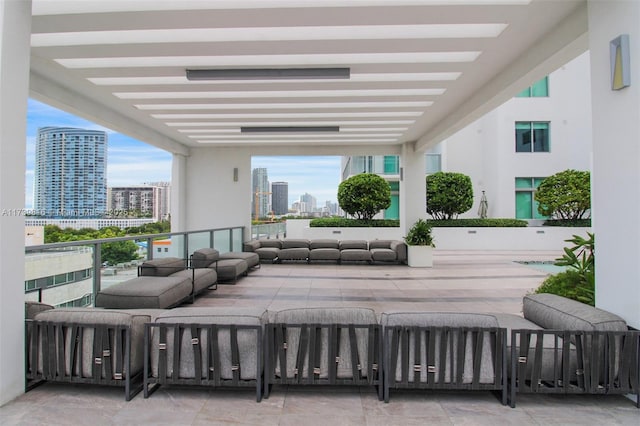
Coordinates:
540 89
391 165
433 163
526 206
532 136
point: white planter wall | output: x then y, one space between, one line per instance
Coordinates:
530 238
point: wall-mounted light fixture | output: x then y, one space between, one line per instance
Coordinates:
620 62
235 174
269 74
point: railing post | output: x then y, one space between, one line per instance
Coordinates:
97 267
149 248
211 240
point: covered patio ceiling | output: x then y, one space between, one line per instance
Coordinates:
418 70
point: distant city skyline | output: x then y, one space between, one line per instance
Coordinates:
317 175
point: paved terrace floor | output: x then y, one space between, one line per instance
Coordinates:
459 281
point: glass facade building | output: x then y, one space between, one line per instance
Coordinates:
70 172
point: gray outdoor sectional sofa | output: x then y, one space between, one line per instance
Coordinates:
323 250
558 346
168 282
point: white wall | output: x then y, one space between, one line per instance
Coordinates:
485 150
15 33
212 198
616 162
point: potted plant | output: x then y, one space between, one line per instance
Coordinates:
420 245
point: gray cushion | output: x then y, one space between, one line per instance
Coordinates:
400 247
145 292
295 243
380 244
204 257
299 253
31 309
162 267
354 244
361 255
324 254
250 246
231 269
202 278
247 340
268 253
134 319
324 243
444 319
252 259
270 243
362 316
383 255
559 313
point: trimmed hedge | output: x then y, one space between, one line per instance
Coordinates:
480 223
341 222
578 223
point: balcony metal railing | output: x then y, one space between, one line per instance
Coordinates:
44 262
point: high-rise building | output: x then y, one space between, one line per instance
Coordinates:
280 197
150 200
70 172
307 203
260 191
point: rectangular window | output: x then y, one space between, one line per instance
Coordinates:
391 164
526 206
540 89
532 136
433 163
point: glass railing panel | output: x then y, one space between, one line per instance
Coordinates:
236 239
198 240
173 246
222 240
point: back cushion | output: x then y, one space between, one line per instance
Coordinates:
354 244
162 267
286 244
380 244
326 243
271 243
204 257
559 313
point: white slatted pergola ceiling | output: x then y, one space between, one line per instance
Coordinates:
418 69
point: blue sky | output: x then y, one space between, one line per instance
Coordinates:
131 162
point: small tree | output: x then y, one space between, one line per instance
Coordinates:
364 195
565 195
448 194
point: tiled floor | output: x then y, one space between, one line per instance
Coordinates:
459 281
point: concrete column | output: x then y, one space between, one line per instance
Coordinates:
179 193
616 161
413 187
15 33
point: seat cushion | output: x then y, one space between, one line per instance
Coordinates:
204 257
270 243
324 254
231 269
135 319
383 255
252 259
202 278
247 340
162 267
145 292
350 255
299 253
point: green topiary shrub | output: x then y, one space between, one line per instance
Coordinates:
448 194
565 195
364 195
